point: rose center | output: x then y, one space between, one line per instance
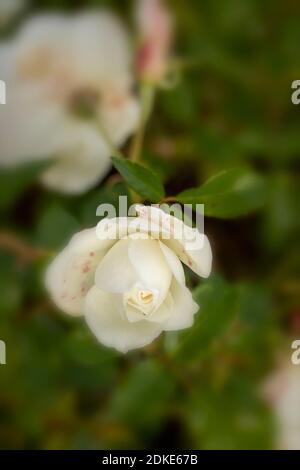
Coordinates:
146 297
141 299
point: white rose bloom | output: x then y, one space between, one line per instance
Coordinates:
58 70
132 288
282 390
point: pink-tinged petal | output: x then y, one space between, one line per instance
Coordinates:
198 259
72 273
156 31
191 247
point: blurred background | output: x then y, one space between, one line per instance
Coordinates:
231 385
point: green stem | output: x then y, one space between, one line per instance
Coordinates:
147 101
12 243
168 199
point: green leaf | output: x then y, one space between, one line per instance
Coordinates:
147 382
231 416
11 286
83 348
257 323
56 227
229 194
140 179
280 224
104 195
218 308
14 182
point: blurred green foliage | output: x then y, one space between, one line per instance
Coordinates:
199 388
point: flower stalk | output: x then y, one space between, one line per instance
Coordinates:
147 102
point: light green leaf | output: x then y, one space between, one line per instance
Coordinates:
229 194
142 180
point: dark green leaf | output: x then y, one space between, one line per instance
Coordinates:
83 348
280 224
147 382
56 227
14 182
218 307
140 179
229 194
229 417
104 195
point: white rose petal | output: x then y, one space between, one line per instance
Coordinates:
174 263
111 329
71 274
184 308
150 264
178 238
115 273
80 168
282 391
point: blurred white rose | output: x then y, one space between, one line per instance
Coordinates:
132 288
282 391
66 77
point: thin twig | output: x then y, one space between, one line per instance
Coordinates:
12 243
